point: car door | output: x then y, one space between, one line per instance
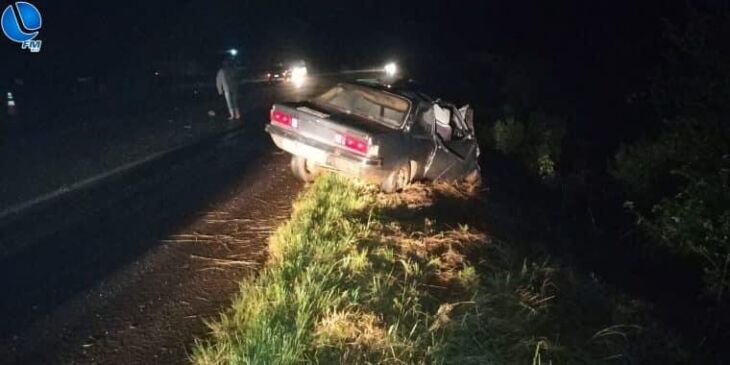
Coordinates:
419 132
455 153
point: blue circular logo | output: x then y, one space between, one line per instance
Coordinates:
24 26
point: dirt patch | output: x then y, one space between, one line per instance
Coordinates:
429 221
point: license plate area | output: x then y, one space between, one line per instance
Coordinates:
300 149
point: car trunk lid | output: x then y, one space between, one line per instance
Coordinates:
332 127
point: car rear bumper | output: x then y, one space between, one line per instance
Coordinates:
327 156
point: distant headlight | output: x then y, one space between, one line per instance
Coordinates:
391 69
298 76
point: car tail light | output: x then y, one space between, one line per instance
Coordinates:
281 117
356 144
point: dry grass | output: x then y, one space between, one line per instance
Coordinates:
359 277
350 328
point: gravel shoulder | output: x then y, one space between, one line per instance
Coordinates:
127 271
152 309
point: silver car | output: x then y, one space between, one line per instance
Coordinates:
385 135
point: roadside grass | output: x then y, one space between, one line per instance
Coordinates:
358 277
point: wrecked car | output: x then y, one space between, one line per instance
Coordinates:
381 134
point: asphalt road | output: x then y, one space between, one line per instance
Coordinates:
123 264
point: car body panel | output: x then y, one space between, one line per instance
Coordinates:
316 132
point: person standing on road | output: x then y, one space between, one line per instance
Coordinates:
227 84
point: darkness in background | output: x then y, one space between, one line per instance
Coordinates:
101 37
582 58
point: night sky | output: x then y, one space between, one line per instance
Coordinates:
591 54
103 35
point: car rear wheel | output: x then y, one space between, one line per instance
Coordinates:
304 169
474 178
397 180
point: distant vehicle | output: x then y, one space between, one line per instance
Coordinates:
384 135
9 107
278 73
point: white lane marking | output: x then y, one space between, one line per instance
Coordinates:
80 184
94 179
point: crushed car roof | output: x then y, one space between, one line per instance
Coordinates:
405 88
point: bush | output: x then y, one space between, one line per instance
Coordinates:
509 135
696 223
680 181
695 78
537 142
647 167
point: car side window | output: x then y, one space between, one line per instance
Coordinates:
458 132
443 122
423 124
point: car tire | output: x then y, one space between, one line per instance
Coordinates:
304 169
474 178
397 180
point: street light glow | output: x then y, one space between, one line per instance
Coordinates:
298 76
233 52
391 69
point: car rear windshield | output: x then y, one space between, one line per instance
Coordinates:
375 105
